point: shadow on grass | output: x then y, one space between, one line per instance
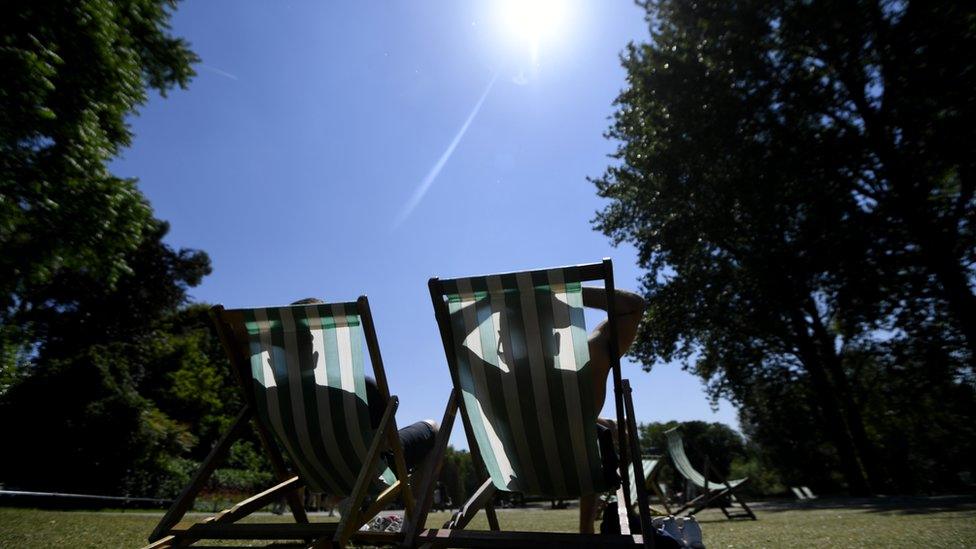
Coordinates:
905 505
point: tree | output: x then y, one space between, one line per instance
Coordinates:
458 475
123 380
70 74
762 176
110 382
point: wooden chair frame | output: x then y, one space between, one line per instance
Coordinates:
711 495
653 480
453 533
168 533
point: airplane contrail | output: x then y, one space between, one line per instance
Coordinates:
424 186
215 70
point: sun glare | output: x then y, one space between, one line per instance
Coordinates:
530 23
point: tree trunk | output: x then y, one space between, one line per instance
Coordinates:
942 261
830 408
851 410
911 194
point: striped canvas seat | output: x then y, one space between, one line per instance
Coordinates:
676 449
649 465
309 386
522 366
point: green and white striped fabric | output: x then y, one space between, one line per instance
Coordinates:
648 464
681 462
522 357
310 388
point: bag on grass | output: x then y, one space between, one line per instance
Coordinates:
610 524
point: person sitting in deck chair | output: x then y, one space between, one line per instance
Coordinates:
629 309
417 438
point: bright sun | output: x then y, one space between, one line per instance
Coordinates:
531 22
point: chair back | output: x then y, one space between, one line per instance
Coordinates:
304 366
676 449
517 347
648 465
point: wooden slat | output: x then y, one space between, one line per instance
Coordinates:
463 516
645 512
256 530
382 500
278 531
536 540
431 470
256 501
587 272
189 493
349 523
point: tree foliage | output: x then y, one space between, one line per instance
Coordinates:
70 75
124 380
111 383
797 177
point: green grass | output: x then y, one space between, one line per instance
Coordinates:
890 522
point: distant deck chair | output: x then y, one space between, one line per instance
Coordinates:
301 368
518 354
798 493
722 492
808 492
651 465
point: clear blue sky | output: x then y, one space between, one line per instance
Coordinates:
331 149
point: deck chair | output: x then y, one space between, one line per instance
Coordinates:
651 466
808 492
301 370
721 493
517 350
798 493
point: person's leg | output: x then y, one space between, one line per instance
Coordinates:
589 506
588 512
417 441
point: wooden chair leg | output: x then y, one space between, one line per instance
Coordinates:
257 501
190 492
348 522
639 480
466 512
382 500
661 495
431 469
491 515
733 497
235 513
400 467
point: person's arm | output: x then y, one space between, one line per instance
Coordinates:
628 308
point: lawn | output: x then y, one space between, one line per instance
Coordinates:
880 522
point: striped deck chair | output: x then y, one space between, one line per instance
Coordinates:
722 493
301 368
651 465
518 354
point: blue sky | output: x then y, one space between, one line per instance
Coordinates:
332 149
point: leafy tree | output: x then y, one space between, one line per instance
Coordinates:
70 74
109 382
122 381
458 475
795 177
